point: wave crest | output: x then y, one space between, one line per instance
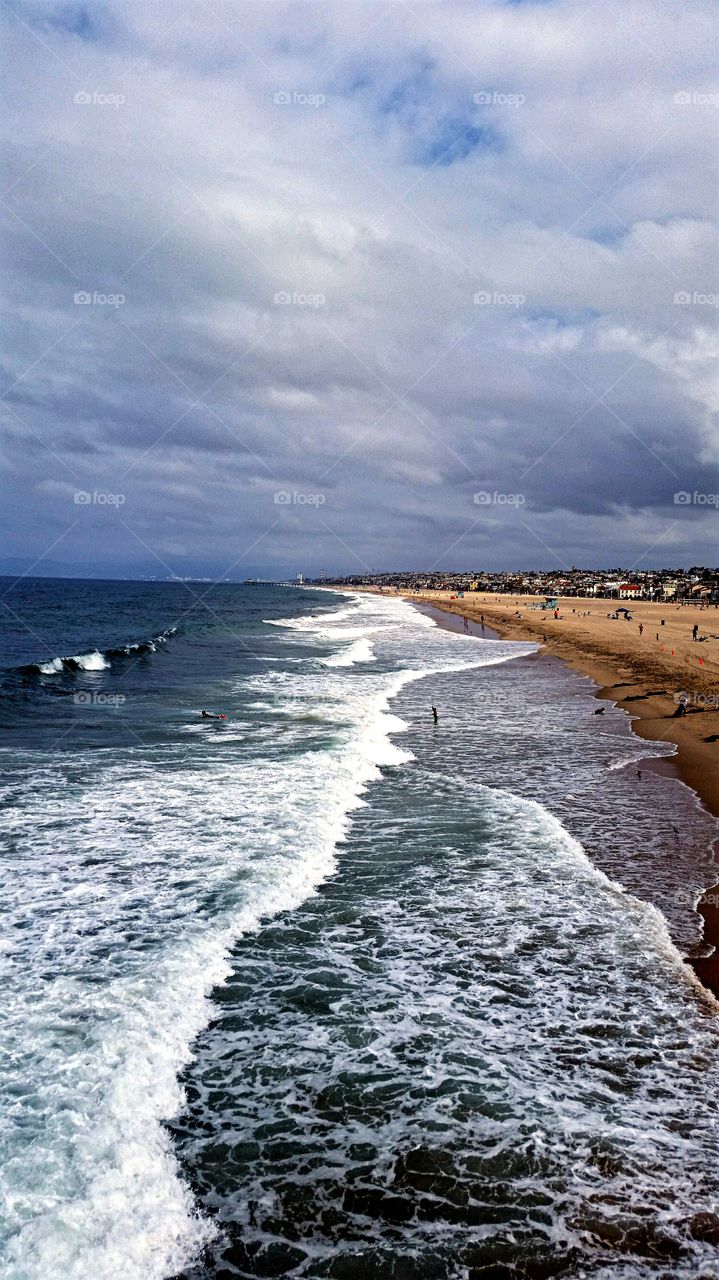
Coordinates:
96 659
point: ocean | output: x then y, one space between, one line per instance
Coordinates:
325 989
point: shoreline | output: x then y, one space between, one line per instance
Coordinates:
631 681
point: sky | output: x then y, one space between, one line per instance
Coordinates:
347 286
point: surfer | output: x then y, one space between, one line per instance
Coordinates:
210 715
435 717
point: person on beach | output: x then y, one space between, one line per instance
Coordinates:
641 629
695 631
435 717
682 706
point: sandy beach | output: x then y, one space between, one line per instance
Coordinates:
644 672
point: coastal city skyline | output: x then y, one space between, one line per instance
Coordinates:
697 583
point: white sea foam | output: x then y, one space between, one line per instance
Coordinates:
316 622
539 822
359 651
508 1012
643 751
94 661
183 855
51 668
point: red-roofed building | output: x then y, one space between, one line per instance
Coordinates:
629 591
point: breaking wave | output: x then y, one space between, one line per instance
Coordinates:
96 659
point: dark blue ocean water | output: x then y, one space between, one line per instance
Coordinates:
323 989
110 641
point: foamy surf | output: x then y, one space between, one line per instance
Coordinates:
479 1023
115 1203
546 829
96 659
123 1208
142 865
358 651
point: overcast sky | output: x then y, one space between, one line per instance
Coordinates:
371 285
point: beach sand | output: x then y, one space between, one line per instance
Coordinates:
644 674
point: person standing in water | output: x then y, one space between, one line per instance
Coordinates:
435 717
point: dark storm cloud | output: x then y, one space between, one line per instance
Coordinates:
376 260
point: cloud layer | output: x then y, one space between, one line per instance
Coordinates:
292 283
